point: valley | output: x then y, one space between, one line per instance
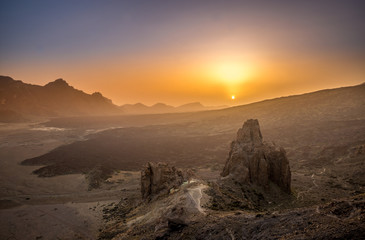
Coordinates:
83 166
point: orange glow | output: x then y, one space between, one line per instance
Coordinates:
233 73
194 77
184 52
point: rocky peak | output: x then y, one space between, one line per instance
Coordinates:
59 83
251 161
97 95
250 133
5 80
159 105
140 105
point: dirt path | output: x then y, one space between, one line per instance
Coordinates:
301 194
195 194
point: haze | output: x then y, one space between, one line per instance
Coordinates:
183 51
184 119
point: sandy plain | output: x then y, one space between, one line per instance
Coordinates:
60 207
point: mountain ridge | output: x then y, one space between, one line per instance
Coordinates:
158 108
56 98
20 101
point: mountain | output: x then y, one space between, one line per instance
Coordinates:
191 107
140 108
19 100
338 104
161 108
134 108
158 108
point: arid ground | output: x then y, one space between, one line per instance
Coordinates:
60 178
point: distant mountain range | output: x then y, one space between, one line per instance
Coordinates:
20 101
140 108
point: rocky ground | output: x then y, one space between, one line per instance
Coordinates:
85 164
248 202
189 212
321 171
342 219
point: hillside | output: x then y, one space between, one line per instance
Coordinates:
57 98
346 103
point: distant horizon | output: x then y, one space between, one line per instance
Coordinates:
185 51
178 105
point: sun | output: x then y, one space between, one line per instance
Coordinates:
233 97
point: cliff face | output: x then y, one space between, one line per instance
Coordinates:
252 161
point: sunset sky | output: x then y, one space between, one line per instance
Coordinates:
185 51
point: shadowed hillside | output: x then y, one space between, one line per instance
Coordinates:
54 99
20 102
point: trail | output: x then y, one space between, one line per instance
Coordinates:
195 195
314 185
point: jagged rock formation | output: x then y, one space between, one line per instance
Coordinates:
251 161
159 178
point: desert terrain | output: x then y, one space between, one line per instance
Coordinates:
44 208
72 178
182 120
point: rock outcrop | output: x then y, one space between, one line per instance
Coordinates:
159 178
252 161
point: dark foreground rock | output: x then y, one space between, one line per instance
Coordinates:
252 161
337 220
342 219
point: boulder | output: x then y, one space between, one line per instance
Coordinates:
252 161
159 178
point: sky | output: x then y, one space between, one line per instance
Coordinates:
176 52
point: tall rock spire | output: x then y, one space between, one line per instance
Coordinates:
250 133
251 161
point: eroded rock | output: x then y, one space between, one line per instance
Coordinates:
159 178
252 161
